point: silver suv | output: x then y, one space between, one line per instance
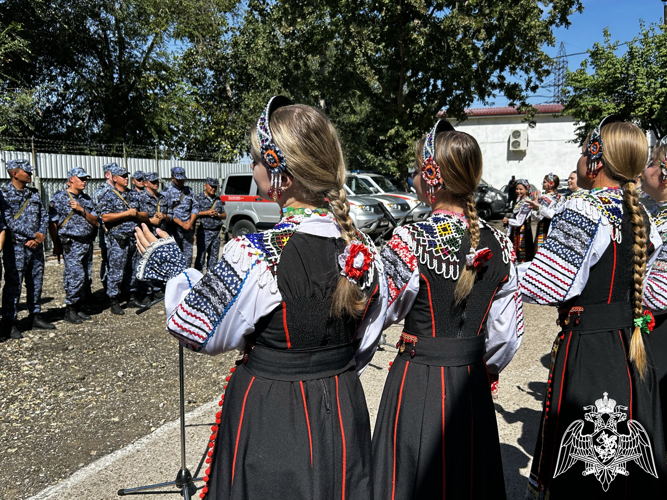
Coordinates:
247 212
379 184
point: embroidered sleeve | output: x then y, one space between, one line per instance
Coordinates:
504 326
655 285
524 212
548 207
372 324
222 307
162 261
561 267
402 273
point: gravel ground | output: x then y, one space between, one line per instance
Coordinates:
71 395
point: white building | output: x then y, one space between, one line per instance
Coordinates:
526 149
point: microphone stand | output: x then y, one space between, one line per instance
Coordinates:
184 480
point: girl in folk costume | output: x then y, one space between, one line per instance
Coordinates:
520 229
545 207
654 184
305 301
601 433
453 279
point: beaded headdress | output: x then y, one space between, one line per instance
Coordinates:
430 169
524 182
273 157
663 163
595 145
550 176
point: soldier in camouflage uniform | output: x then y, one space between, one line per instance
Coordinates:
73 224
97 196
152 202
26 220
138 181
181 213
119 211
211 215
4 335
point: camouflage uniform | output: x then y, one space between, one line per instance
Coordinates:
208 233
24 216
76 236
97 196
121 242
181 205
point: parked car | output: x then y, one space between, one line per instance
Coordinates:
397 207
489 201
247 212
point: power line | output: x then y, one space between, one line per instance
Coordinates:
580 53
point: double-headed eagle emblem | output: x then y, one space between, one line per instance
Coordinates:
605 452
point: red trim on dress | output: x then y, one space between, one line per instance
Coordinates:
238 433
365 311
310 437
560 398
289 345
613 273
442 389
430 304
489 308
342 435
398 410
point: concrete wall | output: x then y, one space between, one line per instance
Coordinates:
549 149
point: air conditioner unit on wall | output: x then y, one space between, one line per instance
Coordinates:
519 139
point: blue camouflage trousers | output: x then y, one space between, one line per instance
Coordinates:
208 242
185 241
78 256
121 276
22 262
103 251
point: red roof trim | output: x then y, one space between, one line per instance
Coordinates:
510 110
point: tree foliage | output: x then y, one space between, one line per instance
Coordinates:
632 84
195 74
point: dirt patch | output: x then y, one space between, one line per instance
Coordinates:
71 395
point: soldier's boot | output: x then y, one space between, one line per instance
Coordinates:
134 301
71 316
15 334
158 294
39 323
148 298
81 313
115 307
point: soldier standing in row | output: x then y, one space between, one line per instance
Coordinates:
26 219
211 215
119 211
152 202
182 213
97 196
72 225
138 181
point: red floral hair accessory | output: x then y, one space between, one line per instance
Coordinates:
477 258
355 261
645 322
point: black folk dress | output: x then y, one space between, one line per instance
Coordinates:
601 432
294 423
436 434
521 231
548 204
655 299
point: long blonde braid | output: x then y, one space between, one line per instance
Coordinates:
468 274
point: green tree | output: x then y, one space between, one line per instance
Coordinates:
383 69
110 71
18 110
632 84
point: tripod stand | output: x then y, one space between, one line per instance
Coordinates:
184 481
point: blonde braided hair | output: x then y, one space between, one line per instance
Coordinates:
624 154
314 157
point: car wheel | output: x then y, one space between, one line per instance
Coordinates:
242 227
484 213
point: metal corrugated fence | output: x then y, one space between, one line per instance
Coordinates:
52 171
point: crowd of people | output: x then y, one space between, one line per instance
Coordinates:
305 304
74 219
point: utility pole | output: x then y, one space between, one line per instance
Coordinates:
38 180
559 66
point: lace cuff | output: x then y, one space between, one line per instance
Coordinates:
162 261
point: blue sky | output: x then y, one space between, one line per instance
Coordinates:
622 17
